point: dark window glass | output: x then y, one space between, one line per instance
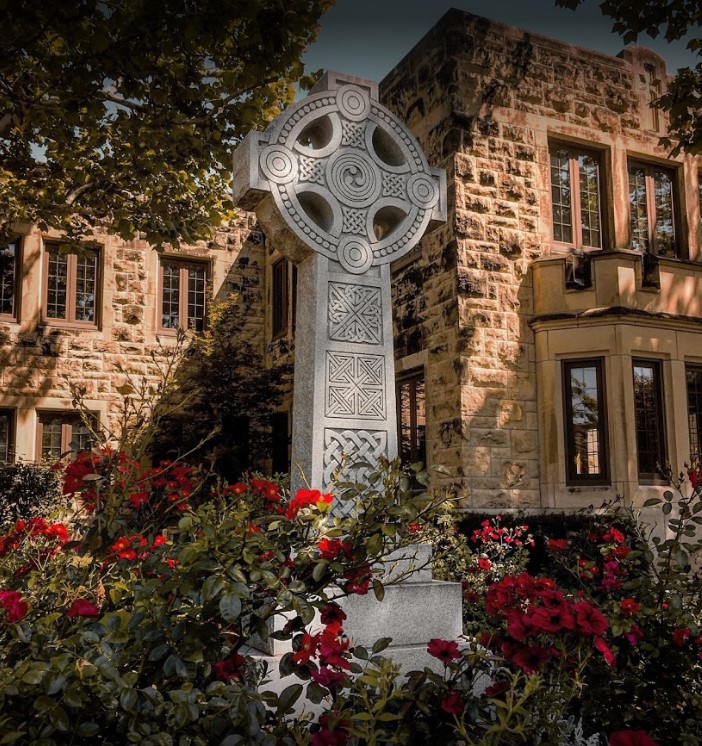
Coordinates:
183 295
652 209
648 413
71 285
9 272
280 443
411 418
61 432
694 410
576 197
279 298
6 432
585 414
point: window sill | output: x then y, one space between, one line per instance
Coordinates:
68 325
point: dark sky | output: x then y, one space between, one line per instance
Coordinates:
368 37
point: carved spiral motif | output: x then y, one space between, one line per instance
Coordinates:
353 103
349 178
279 164
354 256
422 190
354 178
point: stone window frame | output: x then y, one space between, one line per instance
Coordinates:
70 320
14 295
575 150
674 171
7 434
694 412
283 298
68 420
184 264
417 445
655 426
572 477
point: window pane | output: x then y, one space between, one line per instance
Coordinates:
81 438
56 284
560 196
665 226
694 410
86 286
590 200
648 413
585 420
638 212
8 279
411 402
51 436
5 435
197 281
170 302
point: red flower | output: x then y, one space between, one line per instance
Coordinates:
614 535
304 498
484 563
82 607
681 636
330 549
530 658
237 489
590 621
15 607
628 606
138 499
634 635
557 545
328 678
444 650
695 477
229 668
496 689
159 541
414 528
621 551
358 581
518 624
631 738
308 648
332 648
452 703
601 645
552 619
333 614
326 737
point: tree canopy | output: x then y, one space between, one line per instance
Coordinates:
122 115
674 19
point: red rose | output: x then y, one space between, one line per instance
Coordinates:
307 649
552 619
332 614
14 605
237 489
327 677
444 650
557 545
681 636
330 549
530 658
601 645
82 607
484 563
452 703
229 668
628 606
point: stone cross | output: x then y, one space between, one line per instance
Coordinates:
342 188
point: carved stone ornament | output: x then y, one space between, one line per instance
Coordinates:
347 176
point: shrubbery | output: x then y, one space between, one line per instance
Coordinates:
128 621
26 490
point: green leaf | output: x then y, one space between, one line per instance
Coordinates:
651 502
128 699
230 607
381 644
287 699
319 569
12 737
379 590
667 508
212 587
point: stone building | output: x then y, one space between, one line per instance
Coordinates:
548 336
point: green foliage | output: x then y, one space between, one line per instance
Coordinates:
222 376
122 115
675 20
26 489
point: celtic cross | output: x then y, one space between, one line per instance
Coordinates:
342 188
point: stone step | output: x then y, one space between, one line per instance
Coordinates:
410 565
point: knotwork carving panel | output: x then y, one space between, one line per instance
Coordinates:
349 178
355 386
340 446
355 313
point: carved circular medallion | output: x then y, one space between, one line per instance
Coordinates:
349 178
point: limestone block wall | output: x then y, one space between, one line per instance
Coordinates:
40 358
485 101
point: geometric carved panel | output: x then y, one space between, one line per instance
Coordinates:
354 313
355 385
343 448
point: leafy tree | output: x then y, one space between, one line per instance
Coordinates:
123 114
673 18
